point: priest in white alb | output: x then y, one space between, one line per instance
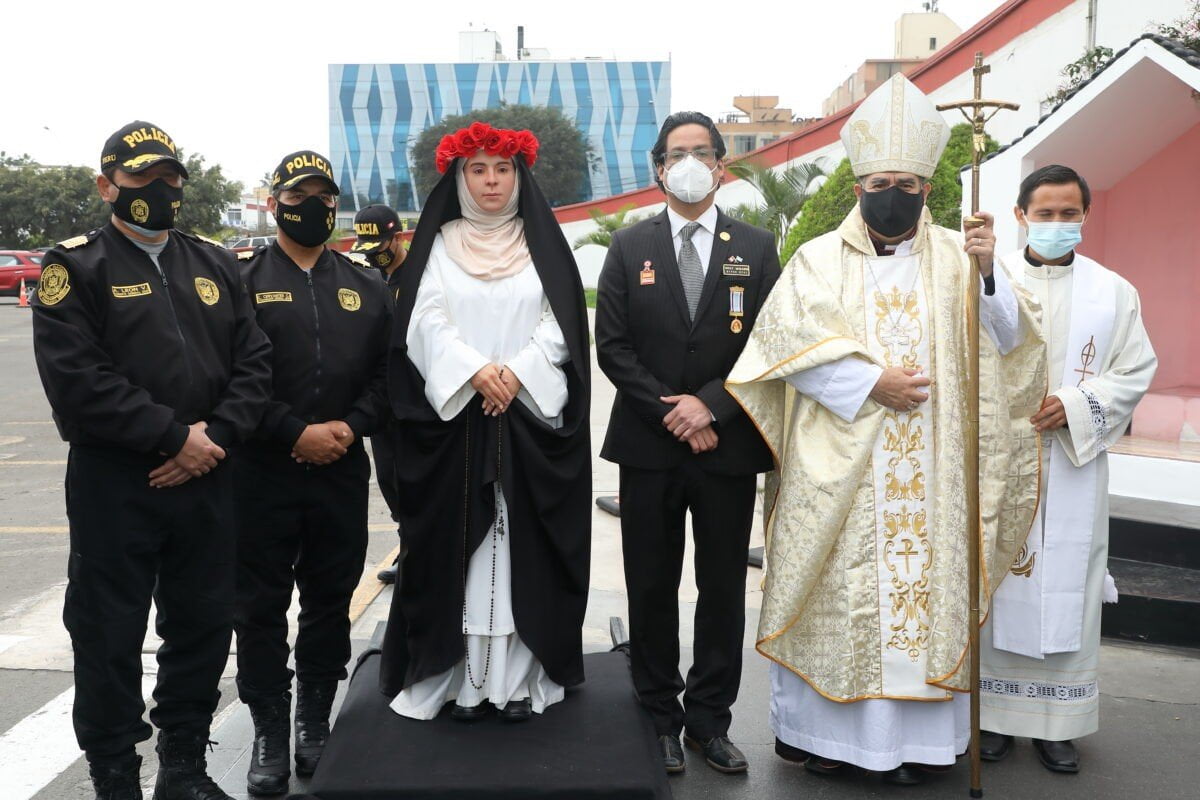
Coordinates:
856 375
1041 649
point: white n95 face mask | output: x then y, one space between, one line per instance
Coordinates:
690 180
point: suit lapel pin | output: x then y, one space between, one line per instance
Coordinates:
725 236
646 278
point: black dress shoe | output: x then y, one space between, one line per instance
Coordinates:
517 710
819 765
994 746
1057 756
469 713
671 752
388 574
719 753
789 753
904 775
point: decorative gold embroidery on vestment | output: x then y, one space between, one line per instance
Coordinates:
1023 563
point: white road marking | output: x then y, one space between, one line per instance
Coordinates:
8 641
38 748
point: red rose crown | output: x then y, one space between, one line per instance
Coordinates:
466 142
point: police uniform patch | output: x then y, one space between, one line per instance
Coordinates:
349 299
359 258
136 290
245 255
384 258
139 210
208 291
54 285
207 240
272 297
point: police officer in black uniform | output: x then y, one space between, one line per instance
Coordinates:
379 240
302 479
154 365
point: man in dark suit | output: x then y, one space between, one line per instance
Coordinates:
677 298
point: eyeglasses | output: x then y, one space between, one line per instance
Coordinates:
703 155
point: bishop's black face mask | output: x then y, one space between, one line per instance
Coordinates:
308 224
892 211
150 207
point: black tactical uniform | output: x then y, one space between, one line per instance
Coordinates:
130 353
299 524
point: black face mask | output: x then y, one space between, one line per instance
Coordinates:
892 211
308 224
384 259
152 206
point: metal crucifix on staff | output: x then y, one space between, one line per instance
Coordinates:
976 112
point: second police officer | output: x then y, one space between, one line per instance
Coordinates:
302 479
380 240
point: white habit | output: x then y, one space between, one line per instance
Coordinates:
914 722
460 324
1040 649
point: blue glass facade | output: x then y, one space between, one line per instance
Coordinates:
376 112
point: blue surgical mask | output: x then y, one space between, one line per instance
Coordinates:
1053 240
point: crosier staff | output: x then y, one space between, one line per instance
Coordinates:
975 110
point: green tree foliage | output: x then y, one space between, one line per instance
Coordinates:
783 193
564 154
1079 71
205 195
41 205
826 209
606 226
1186 29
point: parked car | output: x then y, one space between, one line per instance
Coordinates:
251 242
18 264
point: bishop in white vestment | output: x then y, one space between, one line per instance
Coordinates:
1040 651
856 376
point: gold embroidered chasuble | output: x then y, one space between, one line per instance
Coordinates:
865 588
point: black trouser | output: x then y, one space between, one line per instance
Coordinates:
129 542
383 448
302 526
653 506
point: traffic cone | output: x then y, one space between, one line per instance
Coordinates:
23 297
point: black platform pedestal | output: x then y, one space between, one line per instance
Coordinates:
597 743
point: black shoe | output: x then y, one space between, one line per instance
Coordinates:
182 769
517 710
719 753
905 775
1057 756
313 703
994 746
388 574
672 753
469 713
117 778
789 753
819 765
270 759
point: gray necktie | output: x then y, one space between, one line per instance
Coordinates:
690 270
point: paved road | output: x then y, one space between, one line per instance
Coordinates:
1148 748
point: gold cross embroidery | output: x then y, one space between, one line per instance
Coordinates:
907 553
1086 356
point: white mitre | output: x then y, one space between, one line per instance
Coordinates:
896 129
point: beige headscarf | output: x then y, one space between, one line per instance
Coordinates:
488 245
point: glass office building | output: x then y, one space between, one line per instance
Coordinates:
376 112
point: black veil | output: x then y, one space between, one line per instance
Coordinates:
446 473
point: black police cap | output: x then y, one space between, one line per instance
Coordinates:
299 165
374 226
139 146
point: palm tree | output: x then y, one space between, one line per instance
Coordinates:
783 193
606 226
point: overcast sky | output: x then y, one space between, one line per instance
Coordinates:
244 83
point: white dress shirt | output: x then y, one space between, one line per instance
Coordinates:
702 239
